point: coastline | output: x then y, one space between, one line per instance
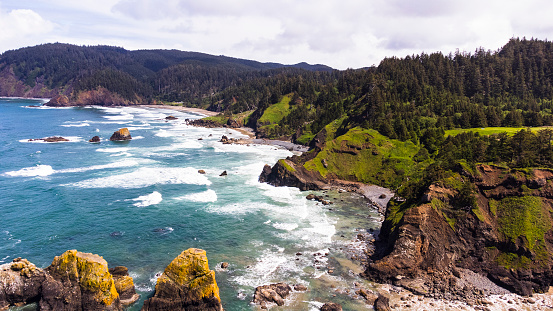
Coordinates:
200 111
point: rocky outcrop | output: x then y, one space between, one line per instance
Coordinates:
95 139
287 173
494 223
74 281
58 101
52 139
124 284
186 284
79 281
269 294
121 134
20 283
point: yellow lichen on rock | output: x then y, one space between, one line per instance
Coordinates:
90 271
186 284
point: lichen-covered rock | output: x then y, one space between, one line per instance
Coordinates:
121 134
124 285
186 284
20 283
79 281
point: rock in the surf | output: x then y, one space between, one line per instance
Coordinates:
58 101
95 139
171 118
20 283
124 284
272 293
186 284
51 139
79 281
331 306
121 134
224 173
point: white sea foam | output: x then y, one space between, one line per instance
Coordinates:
206 196
33 171
164 133
272 265
149 199
118 164
113 149
76 124
146 176
285 226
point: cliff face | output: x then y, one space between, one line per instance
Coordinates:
500 228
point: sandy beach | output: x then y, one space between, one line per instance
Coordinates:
207 113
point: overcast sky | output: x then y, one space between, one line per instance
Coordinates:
339 33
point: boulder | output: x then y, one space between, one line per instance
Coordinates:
79 281
201 172
382 303
186 284
171 118
331 306
224 173
95 139
272 293
224 265
124 284
121 134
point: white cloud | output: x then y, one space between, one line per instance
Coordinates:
339 33
22 27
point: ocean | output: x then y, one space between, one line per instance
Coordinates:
142 202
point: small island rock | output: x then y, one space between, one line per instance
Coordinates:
331 306
121 134
186 284
95 139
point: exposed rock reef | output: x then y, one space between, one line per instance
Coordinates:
454 241
271 294
186 284
52 139
74 281
121 134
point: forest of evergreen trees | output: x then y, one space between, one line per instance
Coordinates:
415 98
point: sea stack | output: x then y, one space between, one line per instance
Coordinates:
121 134
58 101
186 284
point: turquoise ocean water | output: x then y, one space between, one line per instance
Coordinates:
140 203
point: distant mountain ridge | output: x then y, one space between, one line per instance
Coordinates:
50 69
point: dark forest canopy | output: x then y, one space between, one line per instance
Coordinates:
403 98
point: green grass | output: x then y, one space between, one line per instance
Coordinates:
493 130
366 156
276 112
523 216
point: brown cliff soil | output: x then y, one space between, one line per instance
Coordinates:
501 230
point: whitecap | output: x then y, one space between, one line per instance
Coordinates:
33 171
146 176
149 199
118 164
76 124
285 226
113 149
269 267
206 196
